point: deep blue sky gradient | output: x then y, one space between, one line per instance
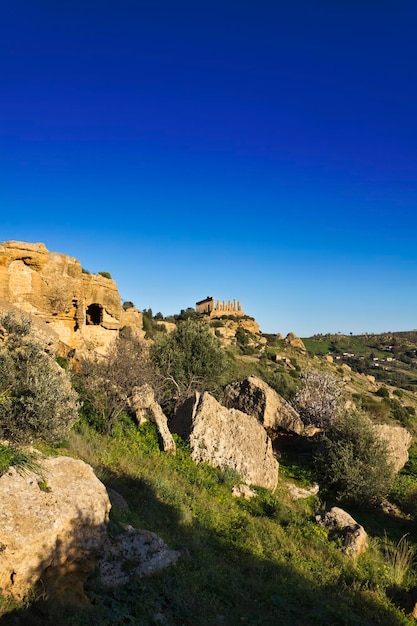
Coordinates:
261 151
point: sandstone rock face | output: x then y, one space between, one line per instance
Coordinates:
143 401
352 534
254 397
227 438
83 309
398 441
51 527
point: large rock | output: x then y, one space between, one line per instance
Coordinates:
341 524
144 404
51 527
398 441
295 342
227 438
134 553
254 397
83 309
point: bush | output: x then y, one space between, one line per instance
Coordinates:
382 392
37 401
352 461
105 274
319 399
106 383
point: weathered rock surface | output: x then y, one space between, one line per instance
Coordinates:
341 524
298 493
243 491
254 397
134 553
295 342
143 402
83 309
51 528
398 441
227 438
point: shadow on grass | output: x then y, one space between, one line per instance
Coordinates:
214 583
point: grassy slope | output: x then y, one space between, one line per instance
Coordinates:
260 562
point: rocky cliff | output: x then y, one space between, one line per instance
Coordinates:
84 310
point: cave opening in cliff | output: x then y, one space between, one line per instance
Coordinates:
94 314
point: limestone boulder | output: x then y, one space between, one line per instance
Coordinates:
226 437
295 342
52 527
254 397
144 404
134 552
398 441
342 525
300 493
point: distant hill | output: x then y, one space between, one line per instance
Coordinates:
390 357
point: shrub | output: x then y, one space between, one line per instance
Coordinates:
352 461
319 398
106 383
382 392
105 274
37 401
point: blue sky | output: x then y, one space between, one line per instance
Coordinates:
260 151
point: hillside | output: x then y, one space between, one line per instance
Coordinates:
248 552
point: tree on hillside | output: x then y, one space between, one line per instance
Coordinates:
37 401
106 383
319 399
191 358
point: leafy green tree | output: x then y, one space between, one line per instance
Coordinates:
191 358
37 401
352 461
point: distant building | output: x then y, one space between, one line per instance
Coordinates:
209 307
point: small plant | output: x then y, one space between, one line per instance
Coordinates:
11 457
401 558
105 275
43 486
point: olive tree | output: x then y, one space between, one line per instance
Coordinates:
37 401
190 358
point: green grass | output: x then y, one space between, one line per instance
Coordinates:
260 562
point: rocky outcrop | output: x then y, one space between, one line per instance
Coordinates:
254 397
342 525
145 406
398 441
52 527
295 342
227 438
83 309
